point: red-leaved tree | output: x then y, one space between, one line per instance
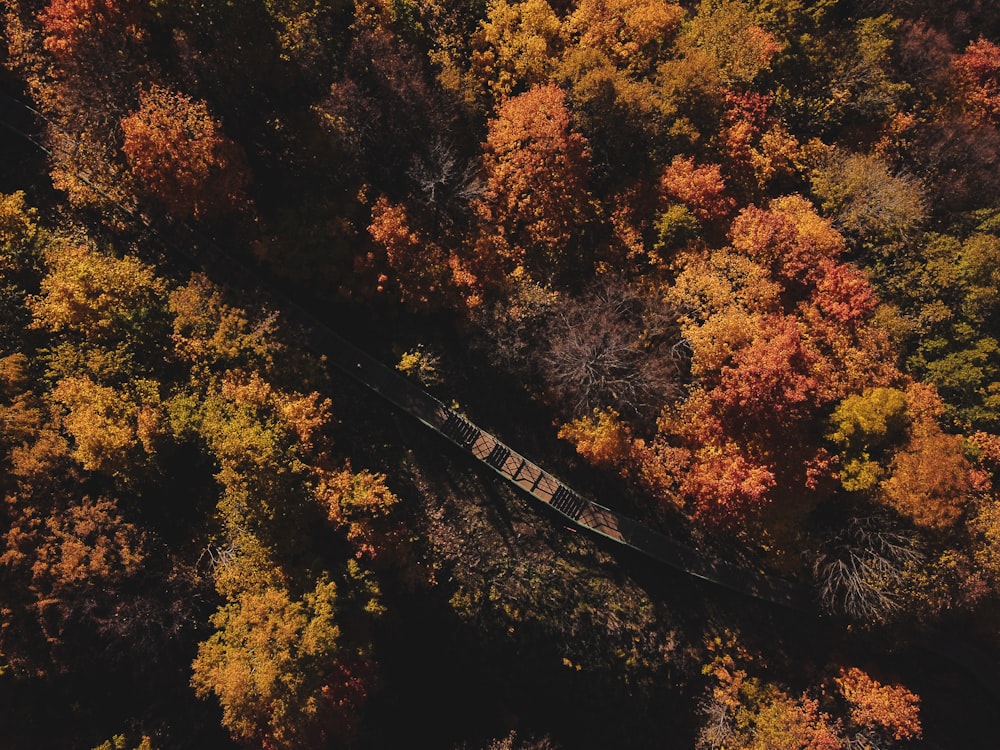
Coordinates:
700 188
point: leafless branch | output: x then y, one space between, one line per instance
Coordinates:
862 572
614 347
442 178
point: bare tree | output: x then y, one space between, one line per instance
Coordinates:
863 570
511 328
442 178
615 346
718 730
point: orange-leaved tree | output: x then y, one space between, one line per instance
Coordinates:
700 188
73 29
180 156
789 237
977 73
877 711
280 671
365 508
425 273
536 179
929 477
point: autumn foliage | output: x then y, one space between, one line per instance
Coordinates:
271 653
976 72
725 486
741 254
601 439
536 178
72 27
745 711
181 157
789 237
625 30
891 709
426 275
930 476
515 45
700 188
363 505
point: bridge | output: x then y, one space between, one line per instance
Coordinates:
545 488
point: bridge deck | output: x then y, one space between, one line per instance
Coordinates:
540 484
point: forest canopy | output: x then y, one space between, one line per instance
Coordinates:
734 262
